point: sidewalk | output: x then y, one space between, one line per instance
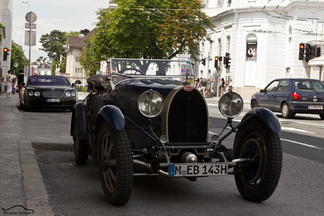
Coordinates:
21 183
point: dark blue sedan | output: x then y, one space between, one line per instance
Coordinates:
290 96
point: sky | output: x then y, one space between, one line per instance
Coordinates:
62 15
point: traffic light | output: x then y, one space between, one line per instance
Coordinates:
307 55
5 53
227 62
216 62
203 61
301 51
310 52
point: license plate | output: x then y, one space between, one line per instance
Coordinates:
52 100
188 170
315 107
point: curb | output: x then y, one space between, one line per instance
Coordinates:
54 146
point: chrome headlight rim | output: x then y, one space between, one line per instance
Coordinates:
67 94
228 107
30 93
37 93
73 93
159 103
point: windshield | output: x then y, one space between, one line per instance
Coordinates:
150 67
309 85
50 81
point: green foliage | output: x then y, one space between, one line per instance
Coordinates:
54 63
63 68
53 44
151 29
89 59
80 89
17 59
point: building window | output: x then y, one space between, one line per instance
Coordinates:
76 70
76 59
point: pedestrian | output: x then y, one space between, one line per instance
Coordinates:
9 83
14 86
230 85
20 80
226 86
211 88
222 87
208 88
199 85
2 91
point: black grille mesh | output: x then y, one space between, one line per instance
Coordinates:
53 93
187 120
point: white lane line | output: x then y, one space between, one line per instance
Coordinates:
295 129
299 143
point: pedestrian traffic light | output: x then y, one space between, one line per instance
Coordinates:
203 61
5 53
216 62
301 51
227 62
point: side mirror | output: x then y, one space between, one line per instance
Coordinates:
22 84
73 85
262 91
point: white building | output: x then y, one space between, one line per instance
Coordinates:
74 69
274 29
6 33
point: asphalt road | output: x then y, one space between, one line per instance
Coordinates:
76 190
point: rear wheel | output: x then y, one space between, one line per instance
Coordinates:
93 106
322 116
115 164
257 179
286 112
80 146
254 104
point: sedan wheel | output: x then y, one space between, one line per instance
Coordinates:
286 112
254 104
322 116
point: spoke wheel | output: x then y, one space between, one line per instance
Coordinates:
94 104
257 179
115 164
80 146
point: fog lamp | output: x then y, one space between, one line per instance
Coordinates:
150 103
230 104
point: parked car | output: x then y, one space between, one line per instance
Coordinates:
290 96
149 120
47 92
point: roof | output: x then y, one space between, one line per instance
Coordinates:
76 41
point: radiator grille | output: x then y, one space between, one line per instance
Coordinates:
53 93
188 117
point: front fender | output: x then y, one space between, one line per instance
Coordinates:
112 115
79 115
266 116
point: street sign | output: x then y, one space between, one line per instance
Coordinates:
33 38
183 70
31 17
33 25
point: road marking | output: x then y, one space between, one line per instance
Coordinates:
300 143
295 129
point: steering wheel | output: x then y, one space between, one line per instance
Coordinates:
132 69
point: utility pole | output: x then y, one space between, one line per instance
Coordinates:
30 36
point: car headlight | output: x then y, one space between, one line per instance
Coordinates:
37 93
73 94
68 94
31 93
230 104
150 103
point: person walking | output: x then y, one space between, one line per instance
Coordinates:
9 84
14 86
222 87
211 88
208 88
2 90
226 86
20 80
230 85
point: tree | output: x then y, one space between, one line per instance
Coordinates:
154 29
89 59
18 60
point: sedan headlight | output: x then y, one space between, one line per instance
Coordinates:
31 93
37 93
230 104
68 94
73 94
150 103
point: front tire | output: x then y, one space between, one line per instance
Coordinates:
257 179
115 164
254 104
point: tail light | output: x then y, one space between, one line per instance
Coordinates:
295 96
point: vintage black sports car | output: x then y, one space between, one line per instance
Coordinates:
47 92
145 118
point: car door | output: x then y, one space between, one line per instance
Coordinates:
267 96
280 95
